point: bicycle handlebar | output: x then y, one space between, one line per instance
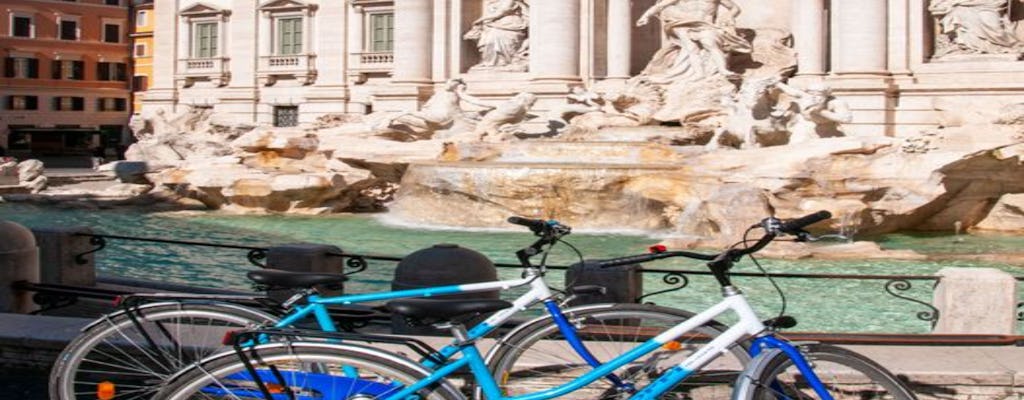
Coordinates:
772 228
535 225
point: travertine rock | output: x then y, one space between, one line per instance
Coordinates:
1007 215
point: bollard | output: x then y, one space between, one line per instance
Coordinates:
19 261
305 257
622 284
440 265
66 258
976 301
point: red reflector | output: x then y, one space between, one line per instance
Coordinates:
658 248
229 338
118 300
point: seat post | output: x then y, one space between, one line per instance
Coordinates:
458 331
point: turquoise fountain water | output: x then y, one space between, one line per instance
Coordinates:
829 305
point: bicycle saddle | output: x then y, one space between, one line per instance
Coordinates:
444 309
291 280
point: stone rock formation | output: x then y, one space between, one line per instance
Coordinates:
30 175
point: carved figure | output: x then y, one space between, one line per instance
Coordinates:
700 39
440 112
580 101
501 36
752 121
814 112
502 122
976 26
633 105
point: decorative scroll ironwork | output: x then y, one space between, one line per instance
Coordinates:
256 256
1020 313
98 242
903 285
676 280
355 264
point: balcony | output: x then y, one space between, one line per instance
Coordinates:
362 64
191 70
301 67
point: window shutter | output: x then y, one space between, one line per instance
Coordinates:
31 103
99 104
56 104
55 69
10 102
78 70
78 103
103 71
120 104
9 67
121 71
33 68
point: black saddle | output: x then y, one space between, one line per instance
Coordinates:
444 309
292 280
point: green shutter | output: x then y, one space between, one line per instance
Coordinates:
382 32
289 36
206 40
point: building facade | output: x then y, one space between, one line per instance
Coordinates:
66 77
142 52
287 62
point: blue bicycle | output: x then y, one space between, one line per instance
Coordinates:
132 353
364 367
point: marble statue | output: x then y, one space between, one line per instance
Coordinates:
813 113
580 101
752 119
503 122
975 27
634 104
502 36
700 39
439 112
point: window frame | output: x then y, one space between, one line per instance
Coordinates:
195 38
120 31
14 15
78 27
369 31
135 50
297 36
142 18
21 67
65 69
26 104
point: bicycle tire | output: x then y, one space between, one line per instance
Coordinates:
114 349
311 368
526 359
846 374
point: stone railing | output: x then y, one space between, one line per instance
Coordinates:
361 64
191 70
298 66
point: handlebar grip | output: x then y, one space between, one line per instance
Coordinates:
797 225
628 260
535 225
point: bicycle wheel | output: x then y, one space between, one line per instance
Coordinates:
300 370
135 357
537 357
846 374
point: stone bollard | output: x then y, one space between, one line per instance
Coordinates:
305 257
622 284
62 256
19 261
976 301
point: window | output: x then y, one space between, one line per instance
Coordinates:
68 69
112 33
68 29
382 32
140 50
69 103
140 83
22 103
205 41
111 104
142 18
21 67
112 2
289 36
21 27
285 116
108 71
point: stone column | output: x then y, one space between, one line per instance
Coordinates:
620 38
555 40
809 36
859 29
414 41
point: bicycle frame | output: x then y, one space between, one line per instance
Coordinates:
748 325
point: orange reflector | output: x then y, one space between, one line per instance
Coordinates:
105 391
117 301
274 388
229 338
658 248
672 346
